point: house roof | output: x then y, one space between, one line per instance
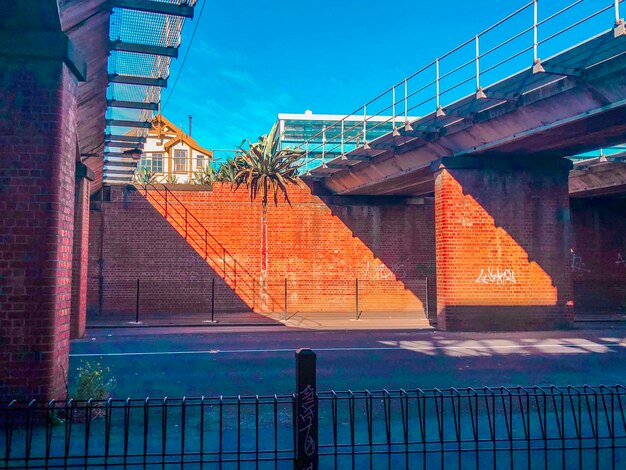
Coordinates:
172 135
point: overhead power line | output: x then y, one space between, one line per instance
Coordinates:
193 34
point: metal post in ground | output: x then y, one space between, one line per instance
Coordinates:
137 304
213 300
306 412
212 320
356 311
136 322
427 310
285 303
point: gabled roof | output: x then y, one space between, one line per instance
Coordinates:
165 130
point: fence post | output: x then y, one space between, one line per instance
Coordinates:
306 412
285 304
356 309
212 320
427 309
224 261
137 305
213 300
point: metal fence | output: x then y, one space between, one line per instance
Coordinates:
214 298
153 433
538 427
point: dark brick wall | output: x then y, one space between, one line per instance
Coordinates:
37 165
598 254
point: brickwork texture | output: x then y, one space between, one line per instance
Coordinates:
598 254
37 165
317 247
502 249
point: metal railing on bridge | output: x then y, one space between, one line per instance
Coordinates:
536 29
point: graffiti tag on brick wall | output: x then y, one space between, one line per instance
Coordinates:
377 272
578 266
306 418
620 260
496 276
381 271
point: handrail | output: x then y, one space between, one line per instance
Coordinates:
347 129
248 279
185 215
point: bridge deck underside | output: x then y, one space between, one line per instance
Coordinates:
577 104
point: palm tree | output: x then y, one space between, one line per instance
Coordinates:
227 171
266 169
145 176
206 176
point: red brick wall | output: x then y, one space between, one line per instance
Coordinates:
502 246
321 245
80 258
37 165
598 254
94 256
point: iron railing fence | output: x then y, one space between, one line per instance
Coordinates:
504 427
151 433
154 297
474 428
536 29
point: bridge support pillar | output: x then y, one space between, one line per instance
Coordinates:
80 251
38 152
502 243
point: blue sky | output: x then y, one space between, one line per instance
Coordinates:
251 60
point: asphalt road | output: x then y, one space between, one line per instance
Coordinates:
215 361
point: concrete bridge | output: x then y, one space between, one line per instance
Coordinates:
495 162
572 103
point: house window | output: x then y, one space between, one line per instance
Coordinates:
152 162
180 161
199 161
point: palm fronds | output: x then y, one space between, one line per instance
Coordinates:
227 171
205 176
265 169
145 176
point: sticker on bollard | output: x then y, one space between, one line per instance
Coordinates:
306 419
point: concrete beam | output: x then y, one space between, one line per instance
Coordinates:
126 123
601 179
143 49
44 45
133 105
137 80
124 138
124 145
151 6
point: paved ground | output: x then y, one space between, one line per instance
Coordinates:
308 320
260 360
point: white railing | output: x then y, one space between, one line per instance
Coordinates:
532 28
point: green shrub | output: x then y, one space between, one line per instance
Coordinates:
92 381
